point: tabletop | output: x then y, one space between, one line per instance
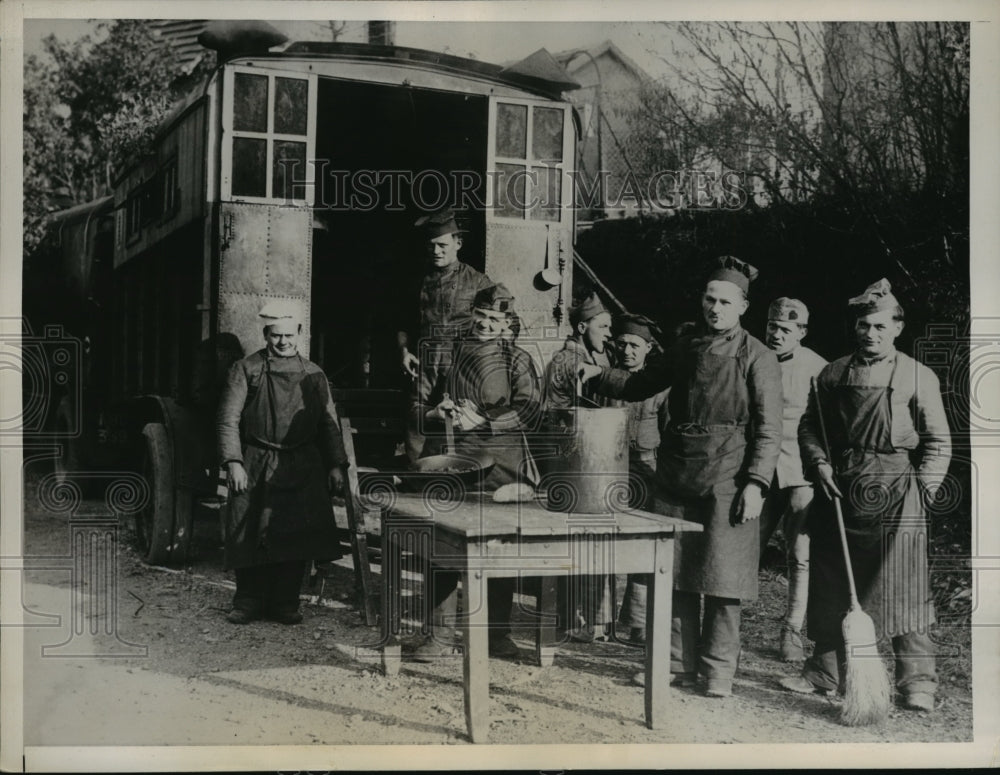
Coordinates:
476 515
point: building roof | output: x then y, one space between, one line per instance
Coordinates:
182 36
574 61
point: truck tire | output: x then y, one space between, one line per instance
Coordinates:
68 462
154 524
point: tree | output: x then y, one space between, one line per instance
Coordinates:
90 105
868 120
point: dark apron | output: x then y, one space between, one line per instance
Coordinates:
285 513
697 465
884 519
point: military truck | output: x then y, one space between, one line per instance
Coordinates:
293 174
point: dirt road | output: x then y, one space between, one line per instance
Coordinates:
182 675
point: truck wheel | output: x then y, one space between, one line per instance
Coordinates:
154 524
68 461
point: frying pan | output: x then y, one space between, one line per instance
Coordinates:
467 468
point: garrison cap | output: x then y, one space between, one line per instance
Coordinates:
786 310
496 298
279 309
732 270
877 297
588 308
438 224
638 325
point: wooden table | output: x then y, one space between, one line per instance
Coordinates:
481 540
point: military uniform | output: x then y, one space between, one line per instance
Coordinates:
790 495
445 296
890 445
591 593
500 380
724 432
276 417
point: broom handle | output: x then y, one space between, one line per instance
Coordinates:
836 501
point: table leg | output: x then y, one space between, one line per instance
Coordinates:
475 656
659 596
392 557
545 627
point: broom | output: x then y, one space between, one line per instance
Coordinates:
866 685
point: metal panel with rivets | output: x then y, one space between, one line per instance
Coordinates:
265 253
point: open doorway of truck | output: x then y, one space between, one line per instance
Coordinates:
383 153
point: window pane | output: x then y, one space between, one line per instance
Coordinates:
548 184
289 170
512 130
250 103
291 106
249 167
509 190
546 134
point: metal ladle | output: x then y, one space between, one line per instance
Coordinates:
549 277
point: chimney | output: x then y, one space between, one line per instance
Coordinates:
382 33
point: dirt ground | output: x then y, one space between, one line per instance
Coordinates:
203 680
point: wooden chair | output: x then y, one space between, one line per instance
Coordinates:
374 418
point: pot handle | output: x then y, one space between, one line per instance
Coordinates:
449 431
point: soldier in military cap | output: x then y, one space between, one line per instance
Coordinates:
715 463
890 447
442 300
591 322
491 389
790 494
279 440
635 342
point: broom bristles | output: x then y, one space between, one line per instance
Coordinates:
867 691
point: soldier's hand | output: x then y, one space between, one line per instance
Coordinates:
447 406
586 371
411 364
824 475
467 417
751 502
238 479
336 481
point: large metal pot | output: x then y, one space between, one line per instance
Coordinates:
593 477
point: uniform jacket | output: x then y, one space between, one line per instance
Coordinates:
647 419
561 378
796 372
500 379
446 298
919 423
497 376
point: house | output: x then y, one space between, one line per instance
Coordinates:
612 85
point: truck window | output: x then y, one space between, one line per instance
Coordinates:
271 120
528 161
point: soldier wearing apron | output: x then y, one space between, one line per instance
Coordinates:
889 451
790 494
279 440
445 293
634 341
492 390
715 463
